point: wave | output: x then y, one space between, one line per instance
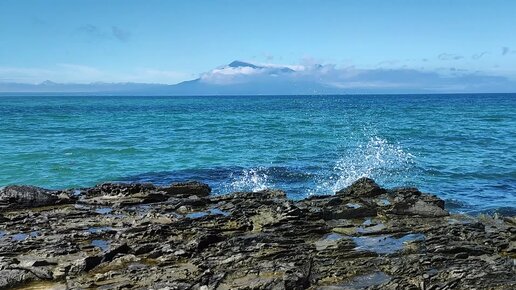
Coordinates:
254 179
387 163
378 159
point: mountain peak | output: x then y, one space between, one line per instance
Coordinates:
238 63
48 83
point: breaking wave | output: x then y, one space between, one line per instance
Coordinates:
254 179
378 159
387 163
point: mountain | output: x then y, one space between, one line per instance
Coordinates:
244 78
238 63
236 78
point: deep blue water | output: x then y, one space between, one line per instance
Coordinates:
460 147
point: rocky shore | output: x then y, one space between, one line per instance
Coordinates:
141 236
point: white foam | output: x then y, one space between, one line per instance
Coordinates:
254 179
377 159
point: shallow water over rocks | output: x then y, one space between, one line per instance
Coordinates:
101 244
385 244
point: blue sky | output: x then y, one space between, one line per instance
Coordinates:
172 41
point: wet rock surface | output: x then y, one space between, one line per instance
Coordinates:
22 196
141 236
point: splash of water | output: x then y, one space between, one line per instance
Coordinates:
389 164
254 179
378 159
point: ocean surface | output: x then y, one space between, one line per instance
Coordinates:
460 147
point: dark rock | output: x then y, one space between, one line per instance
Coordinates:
188 188
23 196
88 263
202 241
84 265
410 201
41 263
180 237
123 195
348 213
144 249
119 189
271 194
10 278
143 198
363 187
410 194
419 208
122 249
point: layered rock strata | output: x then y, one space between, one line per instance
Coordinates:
142 236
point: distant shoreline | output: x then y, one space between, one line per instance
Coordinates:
110 94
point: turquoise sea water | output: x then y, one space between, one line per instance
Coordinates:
460 147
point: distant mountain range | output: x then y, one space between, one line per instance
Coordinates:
243 78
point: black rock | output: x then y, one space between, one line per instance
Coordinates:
23 196
188 188
410 201
122 189
364 187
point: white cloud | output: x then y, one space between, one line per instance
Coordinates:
330 75
230 75
296 67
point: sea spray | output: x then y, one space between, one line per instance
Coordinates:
378 158
253 179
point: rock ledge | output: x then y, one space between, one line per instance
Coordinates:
142 236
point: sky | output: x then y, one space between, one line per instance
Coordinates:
172 41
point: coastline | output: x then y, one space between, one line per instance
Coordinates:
142 236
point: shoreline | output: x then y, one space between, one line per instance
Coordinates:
142 236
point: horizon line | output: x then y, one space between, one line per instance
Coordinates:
106 94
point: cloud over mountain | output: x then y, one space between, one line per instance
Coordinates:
332 79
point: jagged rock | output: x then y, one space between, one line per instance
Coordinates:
119 189
420 208
90 262
180 237
84 265
411 194
188 188
363 187
410 201
121 194
10 278
24 196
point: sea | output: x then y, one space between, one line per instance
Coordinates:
461 147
